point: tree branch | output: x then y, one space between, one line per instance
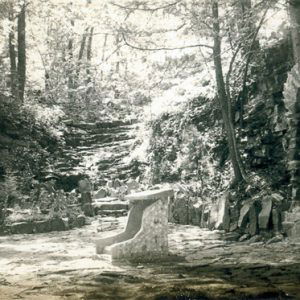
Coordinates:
145 9
230 71
250 53
163 48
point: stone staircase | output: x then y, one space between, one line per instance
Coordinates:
97 150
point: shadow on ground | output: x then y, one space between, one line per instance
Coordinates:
203 264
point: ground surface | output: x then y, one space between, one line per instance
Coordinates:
203 265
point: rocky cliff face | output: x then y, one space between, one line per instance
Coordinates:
263 130
262 133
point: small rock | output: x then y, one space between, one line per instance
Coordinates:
275 239
117 183
80 220
277 197
232 236
110 184
244 237
255 239
100 194
132 185
140 267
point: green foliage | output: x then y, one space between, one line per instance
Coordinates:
29 137
188 146
9 194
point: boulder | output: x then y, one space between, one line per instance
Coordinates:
42 226
205 216
84 186
265 213
180 211
276 220
213 216
81 220
244 214
77 221
253 222
88 209
223 218
194 215
234 214
100 194
58 224
21 228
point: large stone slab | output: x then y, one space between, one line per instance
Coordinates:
110 206
244 214
146 234
223 217
265 213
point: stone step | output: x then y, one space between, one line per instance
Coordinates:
108 139
112 213
92 125
110 206
100 145
103 144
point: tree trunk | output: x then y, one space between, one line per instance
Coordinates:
70 67
239 173
103 54
89 55
80 55
118 54
21 53
82 45
13 63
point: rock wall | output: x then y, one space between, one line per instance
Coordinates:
262 133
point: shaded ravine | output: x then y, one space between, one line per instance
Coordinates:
203 264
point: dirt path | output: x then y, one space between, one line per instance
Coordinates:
63 265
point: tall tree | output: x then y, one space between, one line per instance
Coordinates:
89 58
70 65
12 57
21 52
223 98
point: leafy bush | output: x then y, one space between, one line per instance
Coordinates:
188 146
